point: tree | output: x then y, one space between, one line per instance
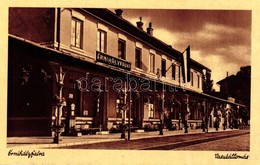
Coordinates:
243 88
207 83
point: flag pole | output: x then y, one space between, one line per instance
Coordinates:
185 49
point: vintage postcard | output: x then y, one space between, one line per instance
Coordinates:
151 82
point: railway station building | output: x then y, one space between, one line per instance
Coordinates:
87 68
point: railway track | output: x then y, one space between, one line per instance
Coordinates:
163 142
167 146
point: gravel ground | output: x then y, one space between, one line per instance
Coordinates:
239 143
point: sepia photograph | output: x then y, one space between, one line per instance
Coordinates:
121 81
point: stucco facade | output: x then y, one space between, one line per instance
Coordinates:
72 38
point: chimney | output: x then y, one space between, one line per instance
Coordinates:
150 29
119 12
140 24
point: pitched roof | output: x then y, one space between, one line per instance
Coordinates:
229 78
110 17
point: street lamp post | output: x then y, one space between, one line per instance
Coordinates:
186 115
61 102
179 121
162 114
123 125
207 118
129 114
204 116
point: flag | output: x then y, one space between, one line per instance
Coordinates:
186 65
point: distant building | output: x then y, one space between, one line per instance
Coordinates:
236 88
228 86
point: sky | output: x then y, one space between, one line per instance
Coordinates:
218 39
